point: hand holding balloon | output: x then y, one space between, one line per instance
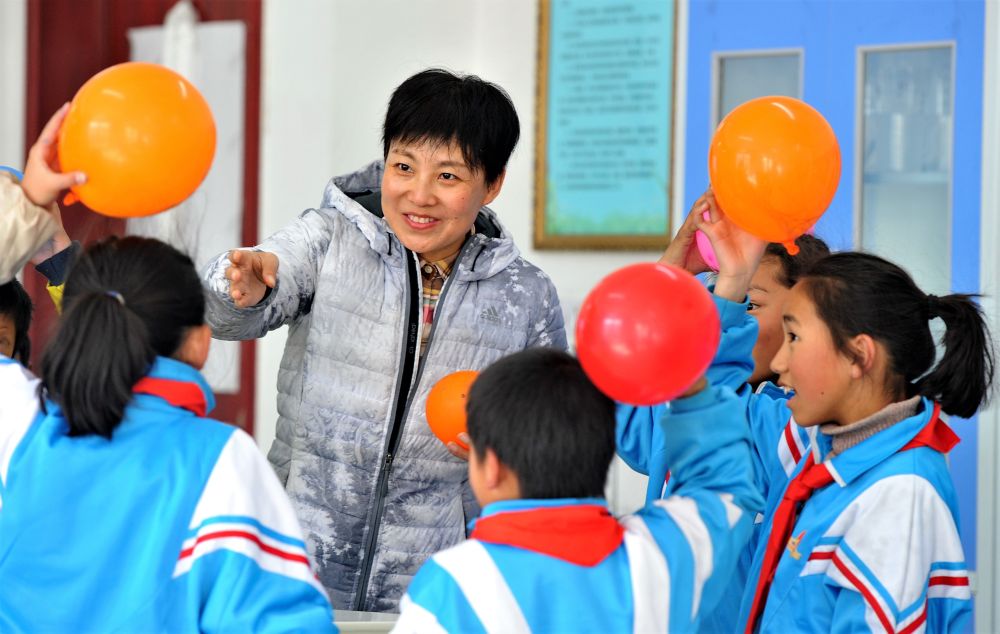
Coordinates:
42 180
683 251
460 447
696 387
738 254
446 411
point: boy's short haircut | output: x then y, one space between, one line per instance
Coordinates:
440 106
15 302
546 421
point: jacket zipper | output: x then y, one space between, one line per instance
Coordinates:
403 398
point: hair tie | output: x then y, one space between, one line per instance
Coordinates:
933 301
116 295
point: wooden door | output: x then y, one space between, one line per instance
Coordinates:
71 40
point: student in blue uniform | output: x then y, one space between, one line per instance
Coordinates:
769 287
546 555
122 507
862 535
638 436
637 432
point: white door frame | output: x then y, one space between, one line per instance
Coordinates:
13 74
987 582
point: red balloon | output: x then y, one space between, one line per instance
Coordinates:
646 333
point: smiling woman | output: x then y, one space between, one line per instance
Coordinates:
431 197
400 278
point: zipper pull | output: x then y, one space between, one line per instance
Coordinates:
387 467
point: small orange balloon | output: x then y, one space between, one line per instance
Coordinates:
446 406
774 165
143 135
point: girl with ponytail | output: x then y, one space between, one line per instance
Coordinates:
131 300
860 528
122 507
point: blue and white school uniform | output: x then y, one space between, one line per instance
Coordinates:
175 524
640 443
878 548
568 566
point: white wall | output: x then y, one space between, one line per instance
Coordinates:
13 65
329 68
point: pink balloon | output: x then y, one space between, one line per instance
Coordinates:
705 247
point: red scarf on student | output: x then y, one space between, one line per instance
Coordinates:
582 534
936 435
183 394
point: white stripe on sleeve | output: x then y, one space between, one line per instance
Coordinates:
242 494
650 578
479 579
684 512
18 409
415 619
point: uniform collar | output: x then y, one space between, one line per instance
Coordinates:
178 384
525 505
856 461
579 531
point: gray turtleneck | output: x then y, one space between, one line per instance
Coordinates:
846 436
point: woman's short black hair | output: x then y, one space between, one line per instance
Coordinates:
546 421
16 304
126 301
440 106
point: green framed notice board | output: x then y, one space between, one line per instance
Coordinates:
604 124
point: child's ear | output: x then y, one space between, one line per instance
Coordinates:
865 352
493 469
194 348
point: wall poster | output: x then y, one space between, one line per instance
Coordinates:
604 124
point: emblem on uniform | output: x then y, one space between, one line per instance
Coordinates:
793 545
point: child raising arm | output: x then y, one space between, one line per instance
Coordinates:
862 533
28 216
546 554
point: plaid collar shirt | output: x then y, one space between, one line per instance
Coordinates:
433 274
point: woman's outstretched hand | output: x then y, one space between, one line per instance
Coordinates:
250 274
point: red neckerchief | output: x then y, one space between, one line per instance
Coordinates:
936 435
183 394
583 534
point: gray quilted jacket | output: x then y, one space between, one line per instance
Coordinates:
375 491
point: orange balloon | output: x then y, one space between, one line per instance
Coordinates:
143 135
774 165
446 406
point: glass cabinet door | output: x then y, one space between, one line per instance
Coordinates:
904 193
743 76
